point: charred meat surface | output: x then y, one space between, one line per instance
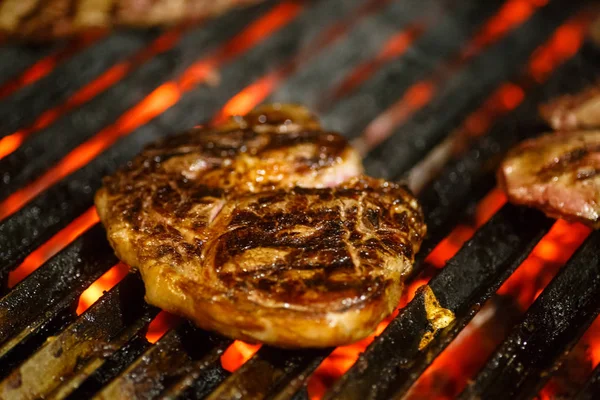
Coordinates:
574 111
43 19
263 228
557 173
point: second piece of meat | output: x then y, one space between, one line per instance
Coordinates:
559 174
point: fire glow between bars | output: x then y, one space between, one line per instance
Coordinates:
512 14
44 66
249 97
10 143
393 48
53 246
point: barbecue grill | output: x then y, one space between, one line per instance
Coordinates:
432 92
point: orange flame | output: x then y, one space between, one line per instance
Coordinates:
162 323
164 97
511 14
103 284
10 143
237 354
53 246
248 98
469 351
44 66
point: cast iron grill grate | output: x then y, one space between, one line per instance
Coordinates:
404 80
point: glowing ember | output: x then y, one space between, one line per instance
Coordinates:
10 143
511 14
53 246
162 323
469 351
164 97
114 74
249 97
237 354
102 285
44 66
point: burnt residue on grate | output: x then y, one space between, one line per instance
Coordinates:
47 299
83 346
168 366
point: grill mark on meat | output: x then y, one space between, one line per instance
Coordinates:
566 162
557 173
588 173
326 251
559 165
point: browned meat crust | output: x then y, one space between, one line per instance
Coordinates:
44 19
238 228
559 174
574 111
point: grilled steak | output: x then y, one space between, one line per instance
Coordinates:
574 111
42 19
263 229
559 174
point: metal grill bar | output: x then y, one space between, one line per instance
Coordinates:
82 347
112 366
172 358
270 371
46 300
26 104
552 326
398 356
591 390
22 57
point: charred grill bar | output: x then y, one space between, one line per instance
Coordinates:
306 49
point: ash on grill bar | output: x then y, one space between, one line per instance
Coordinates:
502 302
